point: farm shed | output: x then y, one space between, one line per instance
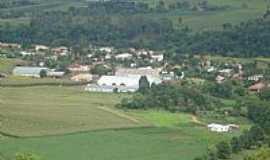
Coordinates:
28 71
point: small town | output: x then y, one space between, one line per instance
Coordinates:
134 80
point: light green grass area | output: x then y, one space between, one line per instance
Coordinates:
131 144
156 143
65 123
36 111
24 81
7 65
213 20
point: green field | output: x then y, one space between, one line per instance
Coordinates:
7 65
65 123
37 111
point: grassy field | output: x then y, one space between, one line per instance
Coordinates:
37 111
15 81
65 123
213 20
7 65
172 137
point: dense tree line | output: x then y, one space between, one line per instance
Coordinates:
171 97
75 27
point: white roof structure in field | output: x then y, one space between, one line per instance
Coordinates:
221 128
28 71
128 81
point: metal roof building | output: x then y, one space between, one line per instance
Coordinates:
28 71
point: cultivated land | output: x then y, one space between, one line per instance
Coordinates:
65 123
37 111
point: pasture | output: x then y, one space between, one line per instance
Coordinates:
37 111
65 123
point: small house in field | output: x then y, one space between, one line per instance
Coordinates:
222 128
258 87
28 71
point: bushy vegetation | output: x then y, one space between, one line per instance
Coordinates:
170 97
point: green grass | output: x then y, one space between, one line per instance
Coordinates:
7 65
65 123
158 143
213 20
132 144
36 111
29 81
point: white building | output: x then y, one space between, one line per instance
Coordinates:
123 56
106 49
25 53
41 48
29 71
255 77
158 58
221 128
119 83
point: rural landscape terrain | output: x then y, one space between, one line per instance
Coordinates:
134 80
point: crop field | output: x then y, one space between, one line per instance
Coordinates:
172 137
37 111
65 123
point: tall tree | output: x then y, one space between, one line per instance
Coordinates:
144 84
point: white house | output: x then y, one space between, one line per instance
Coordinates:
221 128
255 77
158 58
106 49
41 48
123 56
25 53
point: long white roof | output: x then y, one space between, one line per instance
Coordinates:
129 81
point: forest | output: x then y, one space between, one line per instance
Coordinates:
125 27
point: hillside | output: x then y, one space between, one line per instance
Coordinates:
229 11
